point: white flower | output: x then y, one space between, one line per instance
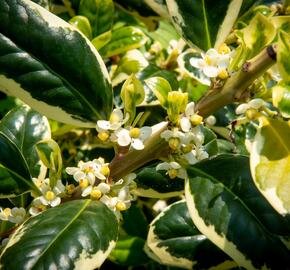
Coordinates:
103 188
88 171
174 133
159 206
212 63
5 213
17 215
190 119
115 122
173 169
134 137
51 196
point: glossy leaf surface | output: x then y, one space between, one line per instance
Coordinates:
40 60
25 128
271 169
175 240
204 24
73 235
281 98
226 207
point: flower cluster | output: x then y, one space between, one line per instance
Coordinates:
93 179
112 130
214 63
186 143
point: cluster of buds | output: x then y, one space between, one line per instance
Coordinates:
93 179
185 139
113 131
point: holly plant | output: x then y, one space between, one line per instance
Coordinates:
144 134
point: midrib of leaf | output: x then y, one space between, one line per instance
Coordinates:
86 203
204 174
206 24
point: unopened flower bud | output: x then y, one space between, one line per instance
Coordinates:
105 170
196 119
187 148
223 74
49 195
252 114
256 103
84 183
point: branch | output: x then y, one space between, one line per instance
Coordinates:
236 86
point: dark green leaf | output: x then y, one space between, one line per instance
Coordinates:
51 66
25 128
204 24
75 235
175 240
129 251
226 206
12 161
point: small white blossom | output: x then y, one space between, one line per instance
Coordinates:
102 187
174 133
134 137
159 206
37 207
173 169
5 213
212 63
115 122
190 118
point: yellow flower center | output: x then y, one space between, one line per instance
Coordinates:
89 170
70 189
103 136
121 206
134 133
187 148
105 170
196 119
252 114
84 183
207 59
7 212
224 49
174 143
96 193
49 195
223 74
114 118
172 173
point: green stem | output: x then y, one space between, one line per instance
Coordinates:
236 86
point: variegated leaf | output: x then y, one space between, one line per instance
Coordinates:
51 66
202 23
270 162
283 55
281 98
75 235
175 240
225 206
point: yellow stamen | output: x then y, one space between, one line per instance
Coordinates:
174 143
105 170
103 136
7 212
134 133
89 170
224 49
187 148
172 173
49 195
207 59
196 119
96 193
252 114
84 183
70 189
121 206
223 74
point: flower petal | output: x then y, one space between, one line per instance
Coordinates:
210 71
145 132
164 166
137 144
185 124
189 110
103 124
124 138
